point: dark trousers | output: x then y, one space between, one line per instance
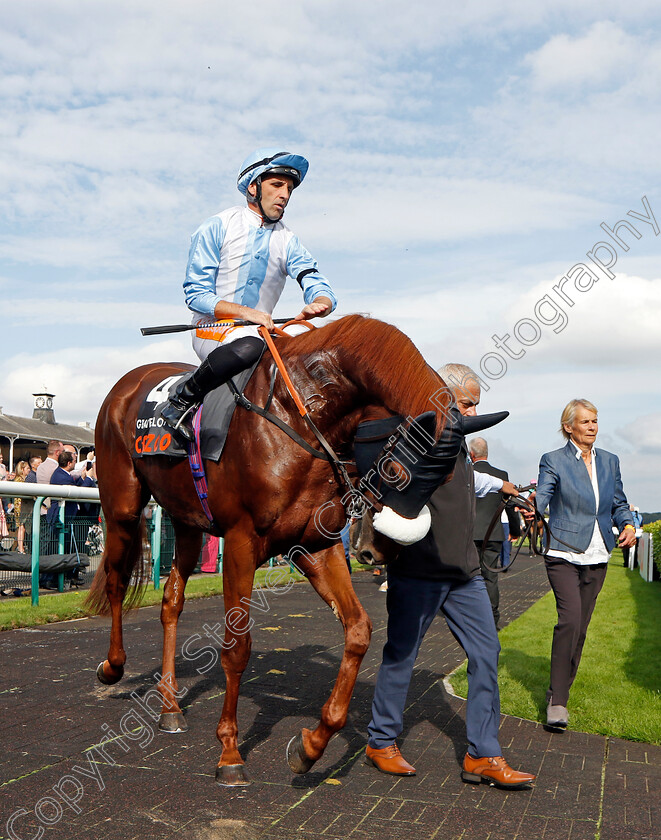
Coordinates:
506 547
576 589
412 605
54 537
489 561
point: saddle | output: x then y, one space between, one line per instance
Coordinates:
212 420
211 423
154 437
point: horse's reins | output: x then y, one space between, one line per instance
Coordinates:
537 529
357 497
357 500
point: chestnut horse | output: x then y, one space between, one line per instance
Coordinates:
263 495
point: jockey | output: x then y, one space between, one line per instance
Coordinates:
238 263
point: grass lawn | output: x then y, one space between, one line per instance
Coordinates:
617 690
19 612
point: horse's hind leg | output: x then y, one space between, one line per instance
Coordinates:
188 542
328 573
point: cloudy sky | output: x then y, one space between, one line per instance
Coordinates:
463 160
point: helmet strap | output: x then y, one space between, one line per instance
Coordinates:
258 201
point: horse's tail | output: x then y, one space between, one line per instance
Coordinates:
133 565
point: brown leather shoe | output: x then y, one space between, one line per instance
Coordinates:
494 771
389 760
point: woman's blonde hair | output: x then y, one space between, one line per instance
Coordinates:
569 414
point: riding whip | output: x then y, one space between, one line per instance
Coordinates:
175 328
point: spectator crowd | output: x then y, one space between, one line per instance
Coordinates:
65 466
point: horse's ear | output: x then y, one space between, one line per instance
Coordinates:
469 425
421 432
480 422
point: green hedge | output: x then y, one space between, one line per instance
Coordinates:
654 528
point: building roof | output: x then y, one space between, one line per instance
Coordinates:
29 428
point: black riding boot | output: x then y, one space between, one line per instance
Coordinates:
222 364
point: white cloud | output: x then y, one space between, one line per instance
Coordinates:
644 434
394 208
580 110
612 327
462 159
604 52
89 317
81 376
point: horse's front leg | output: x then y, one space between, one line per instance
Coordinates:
188 542
238 573
328 573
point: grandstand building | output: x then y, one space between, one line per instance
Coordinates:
23 437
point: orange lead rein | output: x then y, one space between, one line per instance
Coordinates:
281 365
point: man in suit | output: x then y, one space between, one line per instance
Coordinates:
64 475
442 572
31 477
582 487
485 509
47 467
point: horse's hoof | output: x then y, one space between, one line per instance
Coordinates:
296 758
172 722
232 775
103 678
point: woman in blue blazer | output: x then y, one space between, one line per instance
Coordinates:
582 487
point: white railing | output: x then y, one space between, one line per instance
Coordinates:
72 493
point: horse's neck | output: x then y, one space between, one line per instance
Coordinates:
332 402
331 399
400 381
360 363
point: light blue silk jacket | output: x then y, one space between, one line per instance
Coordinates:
234 257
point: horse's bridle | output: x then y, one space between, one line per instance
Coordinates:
357 501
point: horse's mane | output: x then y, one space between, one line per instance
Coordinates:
380 359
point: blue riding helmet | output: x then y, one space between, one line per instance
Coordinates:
273 162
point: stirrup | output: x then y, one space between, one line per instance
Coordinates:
191 408
181 426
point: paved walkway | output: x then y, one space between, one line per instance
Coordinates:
160 786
